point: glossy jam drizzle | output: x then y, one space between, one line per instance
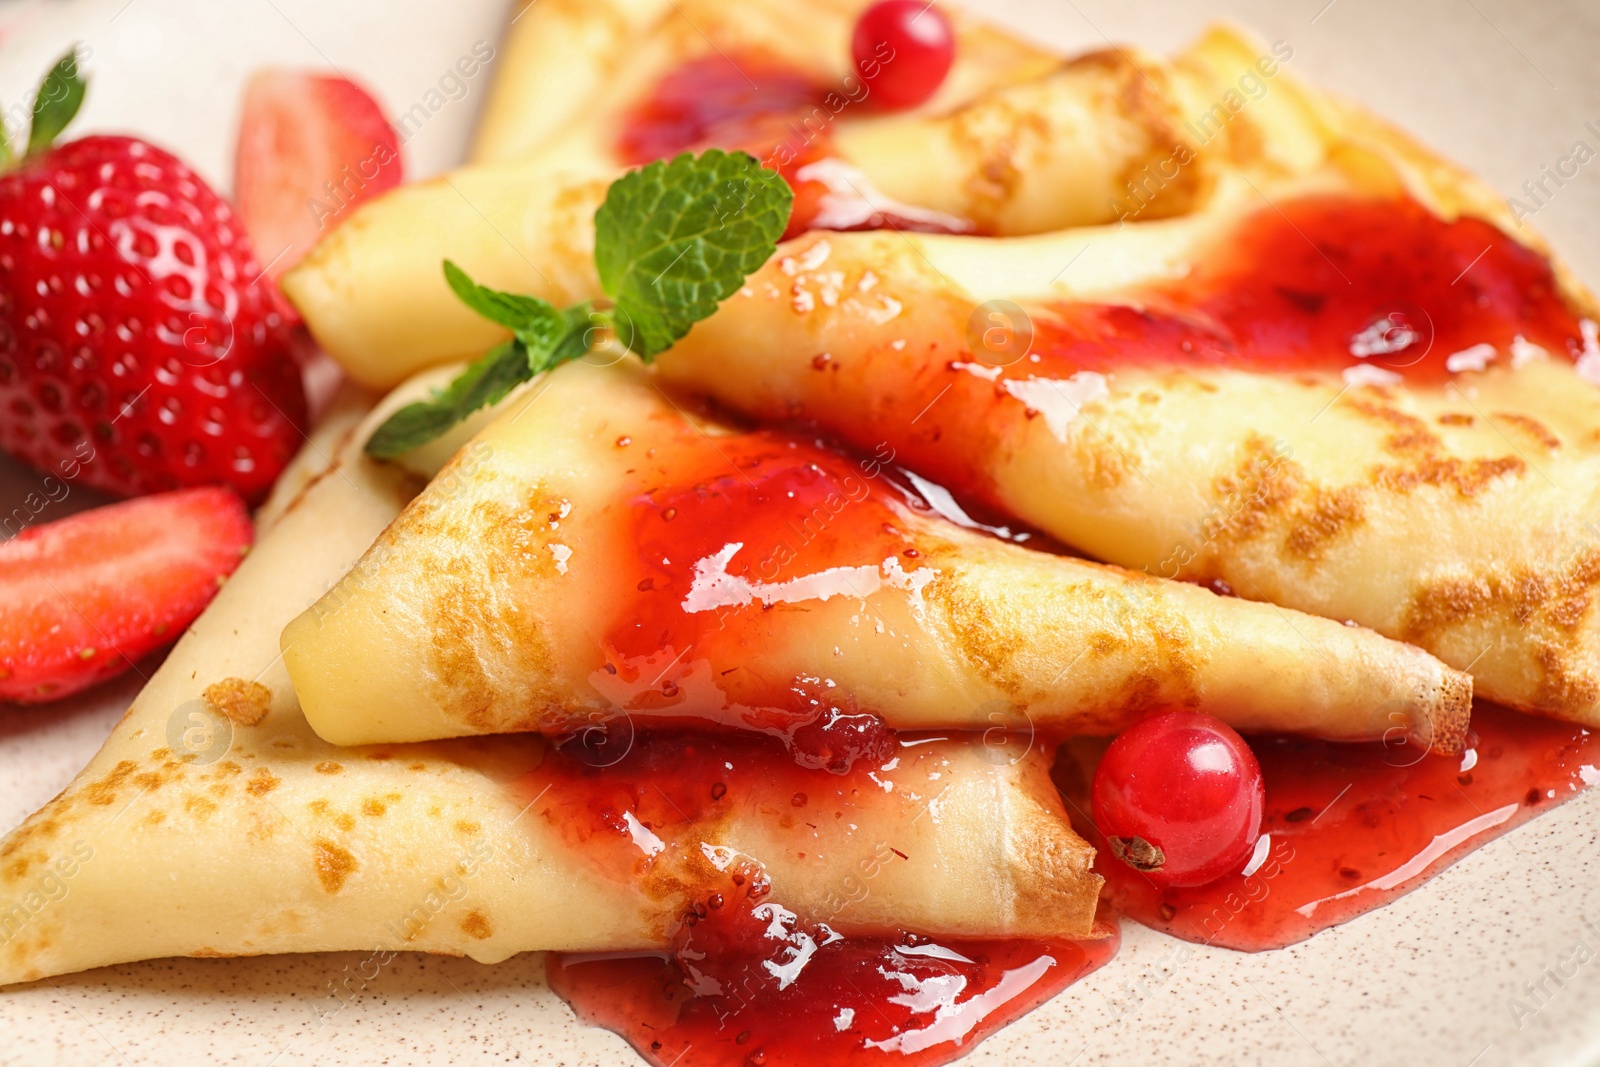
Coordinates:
1351 827
858 1001
1331 283
637 804
1297 290
784 117
740 534
745 979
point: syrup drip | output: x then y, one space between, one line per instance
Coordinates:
759 104
1351 827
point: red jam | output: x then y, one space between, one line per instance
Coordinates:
740 534
636 803
745 979
756 103
1291 291
759 104
1351 827
1329 283
856 1001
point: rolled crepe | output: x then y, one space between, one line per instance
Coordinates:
1018 143
1454 509
592 552
215 823
571 68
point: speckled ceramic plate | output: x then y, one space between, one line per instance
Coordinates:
1494 962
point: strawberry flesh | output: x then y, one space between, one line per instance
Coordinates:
311 147
84 598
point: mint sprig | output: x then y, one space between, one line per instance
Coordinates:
672 241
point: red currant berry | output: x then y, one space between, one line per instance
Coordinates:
1179 797
903 49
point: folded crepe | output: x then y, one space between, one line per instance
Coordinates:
1018 141
214 822
1430 475
1451 509
593 552
1347 404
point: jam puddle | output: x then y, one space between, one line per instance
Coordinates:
855 1000
1349 828
743 978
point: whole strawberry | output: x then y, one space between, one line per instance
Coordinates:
140 348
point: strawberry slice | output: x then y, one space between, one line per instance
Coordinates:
85 597
311 147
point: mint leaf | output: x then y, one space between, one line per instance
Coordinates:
675 239
556 337
672 241
485 382
536 323
574 340
60 96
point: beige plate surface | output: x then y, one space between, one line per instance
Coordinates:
1504 86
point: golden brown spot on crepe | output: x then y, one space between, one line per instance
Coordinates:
1165 149
149 781
218 789
986 620
1103 464
104 791
467 826
373 807
1549 607
417 767
1410 434
1453 418
1328 514
320 807
244 703
155 817
226 769
334 864
159 754
262 782
475 925
1532 427
327 766
464 555
199 807
35 831
1429 464
1261 486
1466 477
1562 687
1060 861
